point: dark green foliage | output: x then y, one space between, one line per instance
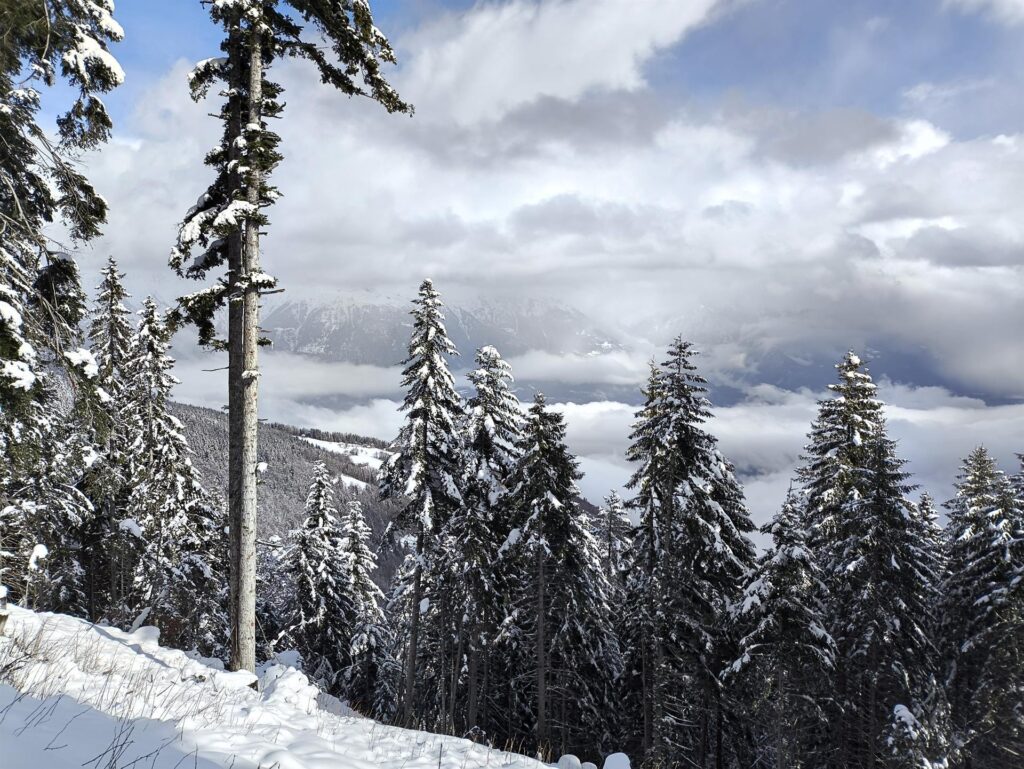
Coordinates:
880 565
983 625
691 554
561 612
786 657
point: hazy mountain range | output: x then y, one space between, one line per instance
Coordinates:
375 330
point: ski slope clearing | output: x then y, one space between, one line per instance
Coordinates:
73 694
359 455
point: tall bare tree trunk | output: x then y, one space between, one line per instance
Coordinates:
243 404
472 670
453 706
647 693
719 732
872 730
235 54
542 656
781 712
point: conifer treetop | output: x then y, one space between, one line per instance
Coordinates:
494 416
427 464
249 151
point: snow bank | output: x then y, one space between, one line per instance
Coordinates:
72 692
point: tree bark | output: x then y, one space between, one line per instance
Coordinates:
542 662
243 406
456 670
473 670
781 761
647 692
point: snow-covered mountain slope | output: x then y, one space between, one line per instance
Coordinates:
357 329
284 483
358 454
73 694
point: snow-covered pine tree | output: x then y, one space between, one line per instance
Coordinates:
837 449
110 341
786 657
275 597
984 616
323 608
41 184
370 662
52 512
475 531
643 624
879 569
222 230
179 573
691 556
425 471
563 604
48 447
612 531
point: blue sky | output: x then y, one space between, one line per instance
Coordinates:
789 53
778 180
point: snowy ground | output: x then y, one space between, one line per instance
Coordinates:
360 455
356 454
78 695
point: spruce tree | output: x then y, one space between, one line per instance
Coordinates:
612 531
110 340
984 616
51 511
786 657
43 43
692 553
425 472
323 609
173 524
475 532
880 569
370 663
49 449
563 605
221 232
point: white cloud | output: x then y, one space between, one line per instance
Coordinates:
480 65
617 368
284 376
755 231
1007 11
379 418
929 93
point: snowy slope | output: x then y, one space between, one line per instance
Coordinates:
364 456
359 455
73 694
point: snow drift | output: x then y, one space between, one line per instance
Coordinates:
74 694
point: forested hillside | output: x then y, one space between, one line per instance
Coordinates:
284 481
